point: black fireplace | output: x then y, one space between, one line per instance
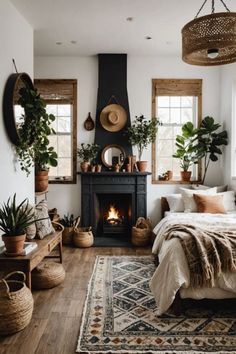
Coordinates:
114 213
111 202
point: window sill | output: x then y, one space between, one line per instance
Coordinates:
62 181
175 182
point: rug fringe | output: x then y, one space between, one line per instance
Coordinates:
85 305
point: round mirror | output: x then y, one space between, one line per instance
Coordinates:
13 113
113 155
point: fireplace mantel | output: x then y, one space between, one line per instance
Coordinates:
94 184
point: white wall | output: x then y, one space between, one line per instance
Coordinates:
16 38
140 72
228 81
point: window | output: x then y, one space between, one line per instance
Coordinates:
61 100
175 102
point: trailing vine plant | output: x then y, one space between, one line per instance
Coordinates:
34 130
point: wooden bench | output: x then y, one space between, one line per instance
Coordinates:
27 263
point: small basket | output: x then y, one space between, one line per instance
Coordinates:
83 237
16 303
68 232
47 275
141 232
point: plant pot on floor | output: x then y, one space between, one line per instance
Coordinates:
185 175
84 166
142 166
41 181
14 244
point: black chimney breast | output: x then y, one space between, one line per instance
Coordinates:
112 88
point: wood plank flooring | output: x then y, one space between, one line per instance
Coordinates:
54 328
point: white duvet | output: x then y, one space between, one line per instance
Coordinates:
172 274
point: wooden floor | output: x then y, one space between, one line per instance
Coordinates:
56 320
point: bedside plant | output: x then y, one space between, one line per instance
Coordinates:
142 133
88 154
14 220
209 142
187 151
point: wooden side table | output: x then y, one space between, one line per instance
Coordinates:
27 263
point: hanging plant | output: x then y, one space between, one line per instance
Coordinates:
34 149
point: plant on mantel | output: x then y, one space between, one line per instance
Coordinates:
34 149
199 143
88 154
142 133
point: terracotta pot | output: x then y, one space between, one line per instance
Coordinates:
170 175
98 168
185 175
92 168
84 166
142 166
14 244
41 181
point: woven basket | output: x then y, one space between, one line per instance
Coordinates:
16 303
67 235
141 232
83 237
68 232
47 275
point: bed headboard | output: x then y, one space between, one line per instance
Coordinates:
164 206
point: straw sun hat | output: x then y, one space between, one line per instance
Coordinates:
113 117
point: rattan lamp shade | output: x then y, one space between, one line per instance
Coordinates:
215 31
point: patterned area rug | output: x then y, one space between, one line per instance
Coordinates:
119 315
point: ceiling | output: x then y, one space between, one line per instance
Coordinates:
101 26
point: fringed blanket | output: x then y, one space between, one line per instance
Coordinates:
208 252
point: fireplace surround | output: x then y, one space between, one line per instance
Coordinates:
124 192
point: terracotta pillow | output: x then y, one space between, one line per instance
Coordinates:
212 204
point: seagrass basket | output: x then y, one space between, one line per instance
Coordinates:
67 235
83 237
47 275
16 303
68 232
141 232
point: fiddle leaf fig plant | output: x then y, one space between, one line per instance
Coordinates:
142 132
200 143
186 145
34 148
210 142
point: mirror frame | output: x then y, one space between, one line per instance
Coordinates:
8 105
108 147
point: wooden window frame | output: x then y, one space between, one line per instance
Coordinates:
73 102
175 87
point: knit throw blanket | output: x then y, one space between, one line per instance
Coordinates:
208 252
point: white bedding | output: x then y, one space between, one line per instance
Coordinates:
172 274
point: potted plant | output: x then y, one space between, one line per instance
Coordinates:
209 142
87 153
69 223
141 133
34 149
14 219
187 151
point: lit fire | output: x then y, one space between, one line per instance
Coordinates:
113 215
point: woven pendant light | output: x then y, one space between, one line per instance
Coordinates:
211 39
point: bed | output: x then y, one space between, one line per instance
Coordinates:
172 276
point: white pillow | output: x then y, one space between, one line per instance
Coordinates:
219 189
175 202
228 200
189 203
